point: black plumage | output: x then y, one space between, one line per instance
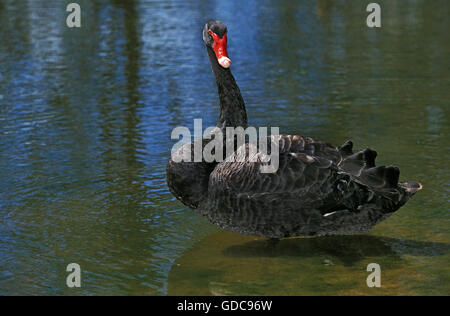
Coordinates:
318 189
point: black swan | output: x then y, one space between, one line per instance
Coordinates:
318 189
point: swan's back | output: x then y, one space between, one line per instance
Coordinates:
318 190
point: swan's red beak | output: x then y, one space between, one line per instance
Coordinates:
220 48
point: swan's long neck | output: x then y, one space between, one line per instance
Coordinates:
232 106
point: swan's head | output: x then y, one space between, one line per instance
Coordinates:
215 37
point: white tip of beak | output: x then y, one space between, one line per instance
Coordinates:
225 62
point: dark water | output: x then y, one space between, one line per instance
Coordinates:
85 122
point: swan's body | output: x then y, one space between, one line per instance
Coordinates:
318 189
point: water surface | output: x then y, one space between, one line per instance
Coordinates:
85 122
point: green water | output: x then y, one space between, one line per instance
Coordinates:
85 122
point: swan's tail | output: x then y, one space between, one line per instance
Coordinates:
380 181
367 194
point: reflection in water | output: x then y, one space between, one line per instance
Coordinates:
230 264
85 122
348 249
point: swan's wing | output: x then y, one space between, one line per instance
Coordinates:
288 202
308 146
306 178
317 189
